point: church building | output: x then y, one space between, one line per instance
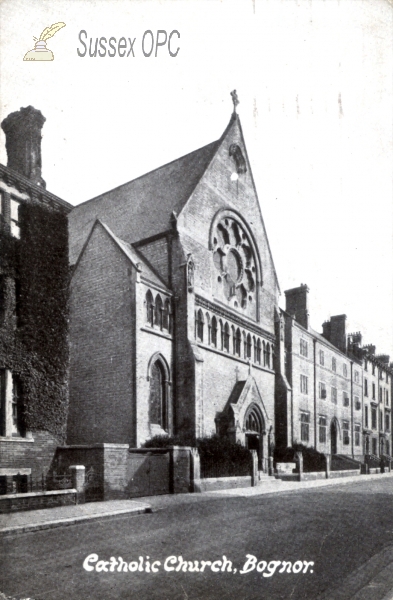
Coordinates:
173 305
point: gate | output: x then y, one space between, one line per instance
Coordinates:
94 484
148 474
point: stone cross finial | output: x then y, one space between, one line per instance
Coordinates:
235 100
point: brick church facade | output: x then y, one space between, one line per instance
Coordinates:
174 298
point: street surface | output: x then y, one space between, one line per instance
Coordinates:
346 530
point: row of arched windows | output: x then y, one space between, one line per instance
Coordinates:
226 337
158 312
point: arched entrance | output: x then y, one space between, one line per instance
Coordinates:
254 431
333 437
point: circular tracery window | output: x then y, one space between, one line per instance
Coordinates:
234 260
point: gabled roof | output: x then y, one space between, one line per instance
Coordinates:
138 261
143 207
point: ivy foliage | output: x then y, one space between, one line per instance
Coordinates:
34 337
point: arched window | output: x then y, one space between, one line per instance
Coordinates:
253 421
268 355
158 400
214 332
254 343
264 354
226 337
248 346
259 351
207 317
158 312
244 344
233 339
149 308
166 313
238 342
199 325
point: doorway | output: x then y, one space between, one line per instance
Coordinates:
333 437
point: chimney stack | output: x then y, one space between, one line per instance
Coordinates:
23 142
296 303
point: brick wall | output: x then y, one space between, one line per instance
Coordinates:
35 453
102 350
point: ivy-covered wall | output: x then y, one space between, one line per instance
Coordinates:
34 332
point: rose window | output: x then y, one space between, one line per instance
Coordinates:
234 260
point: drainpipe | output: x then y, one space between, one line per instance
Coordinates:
315 392
352 428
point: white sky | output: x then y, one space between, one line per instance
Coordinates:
314 79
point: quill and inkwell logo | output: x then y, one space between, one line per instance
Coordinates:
40 51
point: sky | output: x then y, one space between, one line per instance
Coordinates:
315 84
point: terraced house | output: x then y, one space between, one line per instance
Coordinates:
33 307
337 398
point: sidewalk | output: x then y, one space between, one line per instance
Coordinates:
48 518
34 520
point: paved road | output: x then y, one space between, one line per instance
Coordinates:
345 530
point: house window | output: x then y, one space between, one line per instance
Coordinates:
357 434
356 376
304 426
373 369
322 429
322 390
334 364
374 446
365 387
387 422
303 384
380 394
303 348
380 420
387 397
345 399
346 433
387 447
321 357
373 396
366 416
387 378
365 365
334 395
373 417
345 370
358 405
15 227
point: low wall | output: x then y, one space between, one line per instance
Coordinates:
35 500
222 483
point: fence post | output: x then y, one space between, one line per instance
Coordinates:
254 468
195 470
78 481
327 466
299 458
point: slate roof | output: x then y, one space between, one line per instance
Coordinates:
143 207
236 392
147 271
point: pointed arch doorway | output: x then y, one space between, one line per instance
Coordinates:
255 432
333 437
